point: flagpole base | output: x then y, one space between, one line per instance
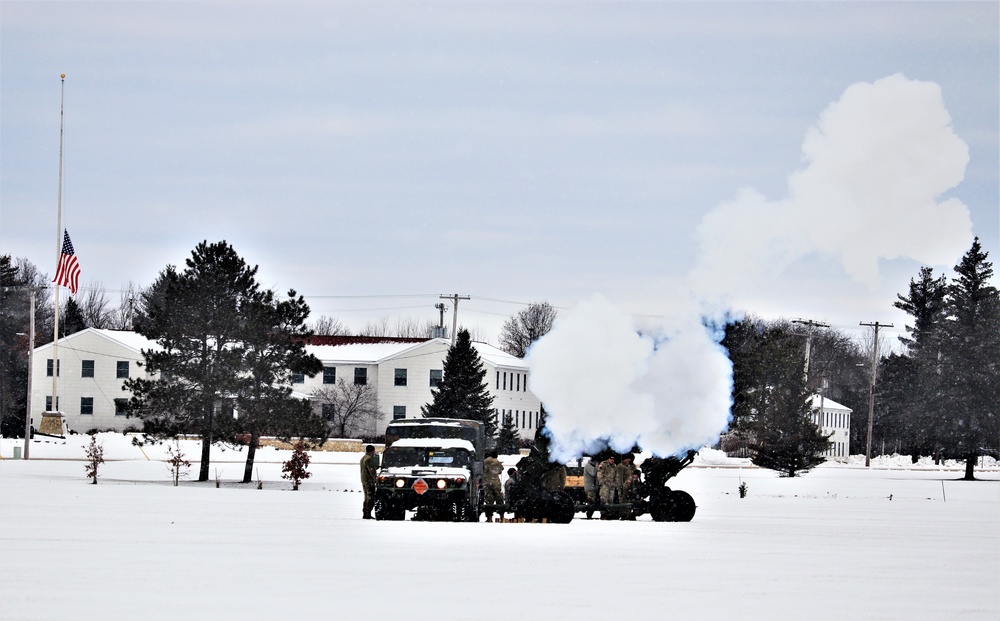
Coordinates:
53 424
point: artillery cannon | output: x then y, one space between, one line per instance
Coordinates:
542 492
539 492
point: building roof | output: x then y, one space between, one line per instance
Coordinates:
829 405
125 338
331 349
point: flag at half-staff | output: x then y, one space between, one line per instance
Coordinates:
68 271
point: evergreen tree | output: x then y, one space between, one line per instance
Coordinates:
199 326
970 361
508 440
910 385
774 400
462 392
273 344
72 319
786 438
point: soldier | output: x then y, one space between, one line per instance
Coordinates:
369 469
492 492
628 484
607 473
590 486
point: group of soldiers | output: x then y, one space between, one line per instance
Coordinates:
608 482
493 493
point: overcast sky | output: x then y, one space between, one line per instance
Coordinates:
512 152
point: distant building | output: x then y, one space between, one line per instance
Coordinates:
835 419
93 365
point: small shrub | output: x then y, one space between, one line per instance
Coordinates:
95 457
743 489
176 461
296 468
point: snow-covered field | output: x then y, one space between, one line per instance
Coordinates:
843 542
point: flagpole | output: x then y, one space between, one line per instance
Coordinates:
55 322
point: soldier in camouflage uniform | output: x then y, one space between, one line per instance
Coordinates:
590 485
607 474
369 469
492 491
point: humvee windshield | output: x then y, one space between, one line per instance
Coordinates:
398 432
396 456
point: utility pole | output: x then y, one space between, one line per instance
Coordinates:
810 324
31 366
454 317
871 394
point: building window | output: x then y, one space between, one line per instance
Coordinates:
122 369
298 378
518 382
360 376
86 406
48 367
87 368
400 377
498 380
121 407
328 411
48 404
505 380
398 412
436 376
329 375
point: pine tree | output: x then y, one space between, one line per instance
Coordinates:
462 392
199 326
72 321
777 399
970 361
273 344
508 438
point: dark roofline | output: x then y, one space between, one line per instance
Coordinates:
318 339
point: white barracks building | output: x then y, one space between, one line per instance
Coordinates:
94 364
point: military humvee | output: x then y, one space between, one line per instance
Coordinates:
433 466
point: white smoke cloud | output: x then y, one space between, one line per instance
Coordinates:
604 384
876 163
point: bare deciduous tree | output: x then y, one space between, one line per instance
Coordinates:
94 306
120 318
330 326
526 327
377 327
351 409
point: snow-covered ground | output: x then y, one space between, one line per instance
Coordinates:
842 542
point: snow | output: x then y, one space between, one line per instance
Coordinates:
443 443
887 542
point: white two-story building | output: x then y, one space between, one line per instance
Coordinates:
834 419
94 364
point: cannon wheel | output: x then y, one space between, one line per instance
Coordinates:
562 509
672 506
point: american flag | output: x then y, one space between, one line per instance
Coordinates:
68 272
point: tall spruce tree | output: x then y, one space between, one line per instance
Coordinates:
462 392
507 439
910 386
72 319
776 404
970 361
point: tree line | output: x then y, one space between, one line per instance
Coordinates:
229 349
